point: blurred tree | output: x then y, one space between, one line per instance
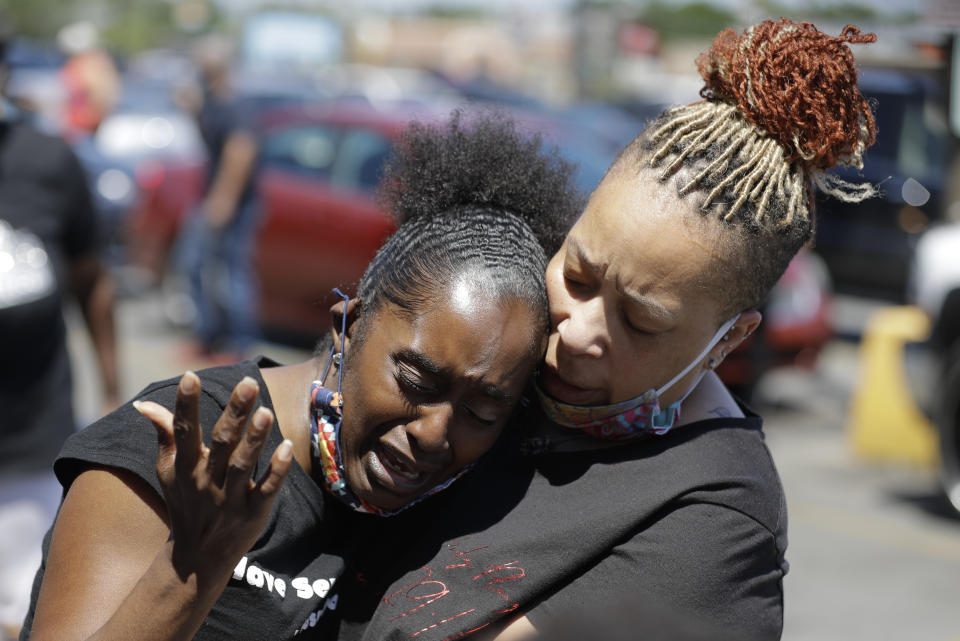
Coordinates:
454 12
846 12
697 19
134 25
38 18
126 25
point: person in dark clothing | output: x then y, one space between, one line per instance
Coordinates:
48 256
639 478
247 538
216 245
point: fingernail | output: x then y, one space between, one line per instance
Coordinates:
136 406
246 389
285 450
262 418
188 383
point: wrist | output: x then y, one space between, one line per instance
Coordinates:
201 576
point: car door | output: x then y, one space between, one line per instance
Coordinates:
321 222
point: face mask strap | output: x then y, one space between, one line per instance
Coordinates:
340 358
713 342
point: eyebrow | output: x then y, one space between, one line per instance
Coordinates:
582 256
422 361
653 306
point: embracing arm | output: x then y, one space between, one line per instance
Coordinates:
701 567
124 563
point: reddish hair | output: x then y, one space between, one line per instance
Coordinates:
797 84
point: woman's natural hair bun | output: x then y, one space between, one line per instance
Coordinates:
797 84
480 160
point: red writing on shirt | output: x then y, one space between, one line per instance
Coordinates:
426 593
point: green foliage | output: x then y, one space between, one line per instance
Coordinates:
697 19
821 12
125 26
38 19
453 12
138 24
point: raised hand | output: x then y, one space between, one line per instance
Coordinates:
216 508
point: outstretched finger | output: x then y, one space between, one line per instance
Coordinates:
244 458
186 425
269 484
229 428
162 419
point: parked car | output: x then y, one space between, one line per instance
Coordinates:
868 246
935 288
320 224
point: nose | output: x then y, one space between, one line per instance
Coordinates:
583 330
429 432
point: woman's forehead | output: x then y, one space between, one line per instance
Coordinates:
642 237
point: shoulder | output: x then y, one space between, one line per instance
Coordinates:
126 440
48 147
704 561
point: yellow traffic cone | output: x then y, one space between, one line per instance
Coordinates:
885 422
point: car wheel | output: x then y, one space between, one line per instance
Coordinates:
948 425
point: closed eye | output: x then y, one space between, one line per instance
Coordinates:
413 381
574 283
481 419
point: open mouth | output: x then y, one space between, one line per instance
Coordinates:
400 471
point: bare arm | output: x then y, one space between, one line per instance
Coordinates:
239 155
93 287
126 564
518 630
107 549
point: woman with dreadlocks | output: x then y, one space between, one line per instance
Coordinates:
247 538
645 481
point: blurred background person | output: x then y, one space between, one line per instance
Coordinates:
217 242
90 79
48 253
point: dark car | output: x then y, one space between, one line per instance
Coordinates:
868 246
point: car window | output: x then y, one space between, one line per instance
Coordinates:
307 149
360 159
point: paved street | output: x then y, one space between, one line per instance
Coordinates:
874 551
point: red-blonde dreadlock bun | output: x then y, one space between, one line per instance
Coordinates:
797 84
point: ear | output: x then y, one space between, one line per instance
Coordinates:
741 330
352 310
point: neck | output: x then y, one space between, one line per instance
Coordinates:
289 388
709 399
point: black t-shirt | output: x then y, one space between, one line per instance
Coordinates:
694 520
219 119
288 583
46 221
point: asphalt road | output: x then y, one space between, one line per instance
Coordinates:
874 550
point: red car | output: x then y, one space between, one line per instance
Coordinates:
320 224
